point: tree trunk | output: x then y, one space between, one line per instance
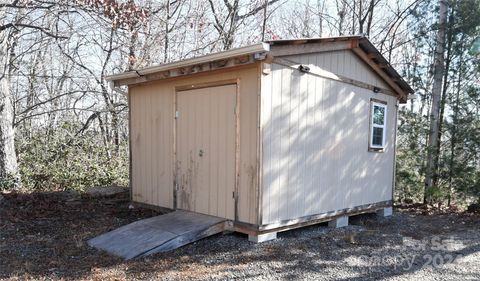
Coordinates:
436 98
8 157
167 19
443 101
264 23
453 137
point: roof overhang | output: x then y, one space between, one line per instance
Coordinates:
232 53
360 45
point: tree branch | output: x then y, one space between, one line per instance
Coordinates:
43 30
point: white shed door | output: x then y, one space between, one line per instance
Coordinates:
205 147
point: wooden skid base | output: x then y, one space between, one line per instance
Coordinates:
336 219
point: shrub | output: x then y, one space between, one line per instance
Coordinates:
63 160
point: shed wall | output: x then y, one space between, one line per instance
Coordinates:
152 138
344 63
315 140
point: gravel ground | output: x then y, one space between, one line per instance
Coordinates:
42 236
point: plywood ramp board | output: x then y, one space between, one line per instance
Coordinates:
158 234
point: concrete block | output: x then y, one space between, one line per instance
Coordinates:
262 237
385 212
338 222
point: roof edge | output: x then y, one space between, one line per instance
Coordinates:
380 64
251 49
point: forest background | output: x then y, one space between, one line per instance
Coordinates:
62 127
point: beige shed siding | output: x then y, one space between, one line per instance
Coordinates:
344 63
206 123
315 140
152 113
152 149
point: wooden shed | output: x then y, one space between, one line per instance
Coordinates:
270 136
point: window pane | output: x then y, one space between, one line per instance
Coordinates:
377 137
378 115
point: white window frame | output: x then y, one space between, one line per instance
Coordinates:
374 104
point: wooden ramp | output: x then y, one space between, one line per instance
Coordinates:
158 234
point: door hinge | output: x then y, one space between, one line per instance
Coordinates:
234 194
177 114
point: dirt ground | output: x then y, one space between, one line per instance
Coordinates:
43 236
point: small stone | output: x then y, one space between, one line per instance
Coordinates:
106 191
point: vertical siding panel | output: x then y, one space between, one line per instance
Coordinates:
161 143
292 185
223 151
327 62
141 142
141 145
337 62
138 182
194 144
144 146
167 154
273 145
213 156
335 130
315 154
283 125
134 143
151 124
265 116
183 138
156 142
202 197
322 145
150 159
149 143
277 152
303 139
310 144
180 139
231 137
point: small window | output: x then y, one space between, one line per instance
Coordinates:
378 118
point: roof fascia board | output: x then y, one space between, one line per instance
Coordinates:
257 48
360 53
295 49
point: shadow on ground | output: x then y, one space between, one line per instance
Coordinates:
43 235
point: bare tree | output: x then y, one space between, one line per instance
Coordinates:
23 19
227 19
8 157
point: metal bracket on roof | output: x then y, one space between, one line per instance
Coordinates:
260 56
304 68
